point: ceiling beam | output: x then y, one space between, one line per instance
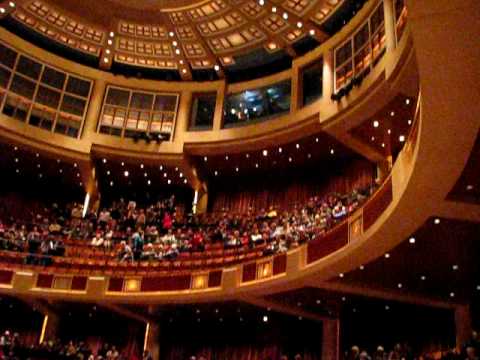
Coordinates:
358 146
283 308
210 55
384 294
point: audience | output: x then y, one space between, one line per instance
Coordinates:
158 232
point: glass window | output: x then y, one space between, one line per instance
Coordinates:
363 50
53 78
7 56
4 77
203 111
49 91
130 113
48 97
312 82
78 86
28 67
22 86
257 104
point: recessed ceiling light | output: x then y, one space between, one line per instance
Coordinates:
312 32
344 298
411 240
407 101
126 173
383 145
309 155
112 34
469 187
226 157
285 15
280 150
174 43
387 307
316 139
216 67
237 169
362 267
108 51
290 159
145 175
111 183
110 42
177 51
184 71
108 172
299 24
297 146
185 181
149 182
105 60
478 287
141 166
392 113
409 122
319 301
376 124
261 2
171 34
455 267
161 167
332 151
389 131
165 175
423 278
372 138
265 318
401 138
274 9
181 62
341 275
265 152
216 173
256 165
387 256
12 4
399 285
452 294
169 181
436 221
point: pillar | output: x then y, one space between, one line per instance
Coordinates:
327 76
49 328
331 339
183 115
390 26
463 325
152 340
297 89
218 116
94 108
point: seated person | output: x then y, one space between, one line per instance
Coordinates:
125 253
97 240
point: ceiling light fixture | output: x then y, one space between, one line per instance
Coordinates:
376 124
274 9
285 15
299 24
312 32
411 240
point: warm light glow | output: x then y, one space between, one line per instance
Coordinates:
312 32
265 318
437 221
132 285
299 24
126 173
265 152
147 333
285 15
411 240
44 329
85 205
376 124
401 138
387 256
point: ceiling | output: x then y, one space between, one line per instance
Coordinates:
187 39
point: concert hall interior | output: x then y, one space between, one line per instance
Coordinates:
239 179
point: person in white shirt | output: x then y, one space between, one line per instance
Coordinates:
97 240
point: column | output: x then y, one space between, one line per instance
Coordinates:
183 115
49 327
218 117
463 325
390 27
94 108
297 89
331 339
327 76
152 340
